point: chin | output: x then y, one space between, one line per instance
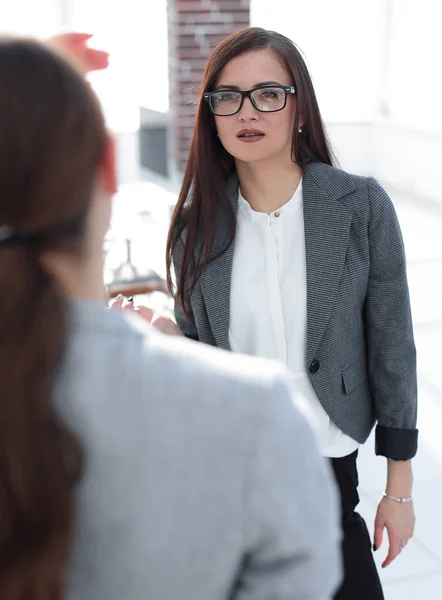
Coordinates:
250 153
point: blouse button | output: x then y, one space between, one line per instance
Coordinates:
277 214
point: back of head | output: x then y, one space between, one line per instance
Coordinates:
52 139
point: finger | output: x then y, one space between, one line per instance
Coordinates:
65 40
393 551
378 535
96 60
145 312
129 307
76 37
118 302
404 542
164 324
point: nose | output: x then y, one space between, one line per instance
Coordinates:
248 112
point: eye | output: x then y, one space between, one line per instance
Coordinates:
271 94
225 96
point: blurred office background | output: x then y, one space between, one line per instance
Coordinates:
376 66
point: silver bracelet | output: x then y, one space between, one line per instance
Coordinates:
401 500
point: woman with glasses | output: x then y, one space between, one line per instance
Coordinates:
278 253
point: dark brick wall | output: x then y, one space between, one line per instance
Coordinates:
195 27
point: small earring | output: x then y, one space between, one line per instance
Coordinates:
217 135
300 130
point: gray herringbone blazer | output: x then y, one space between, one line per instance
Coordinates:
360 353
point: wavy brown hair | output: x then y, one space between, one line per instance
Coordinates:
203 196
52 140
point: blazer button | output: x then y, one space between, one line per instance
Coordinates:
314 367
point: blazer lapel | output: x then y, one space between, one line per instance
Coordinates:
327 224
216 279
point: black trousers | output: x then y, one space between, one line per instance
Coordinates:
361 579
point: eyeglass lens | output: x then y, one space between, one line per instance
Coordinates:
228 102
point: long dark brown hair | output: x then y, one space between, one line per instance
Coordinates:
203 196
52 140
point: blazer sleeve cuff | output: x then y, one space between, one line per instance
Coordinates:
397 444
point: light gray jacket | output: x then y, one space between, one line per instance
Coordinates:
202 479
360 354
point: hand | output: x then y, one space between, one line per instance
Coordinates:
164 324
155 320
74 46
399 519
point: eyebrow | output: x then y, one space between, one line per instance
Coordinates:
257 85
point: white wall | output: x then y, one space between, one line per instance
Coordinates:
135 34
343 43
353 145
411 160
27 17
376 66
414 87
406 159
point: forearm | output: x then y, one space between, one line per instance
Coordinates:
399 478
389 331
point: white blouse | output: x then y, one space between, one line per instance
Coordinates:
268 302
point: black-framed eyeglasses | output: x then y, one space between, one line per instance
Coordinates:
224 103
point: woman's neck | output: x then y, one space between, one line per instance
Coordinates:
267 187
